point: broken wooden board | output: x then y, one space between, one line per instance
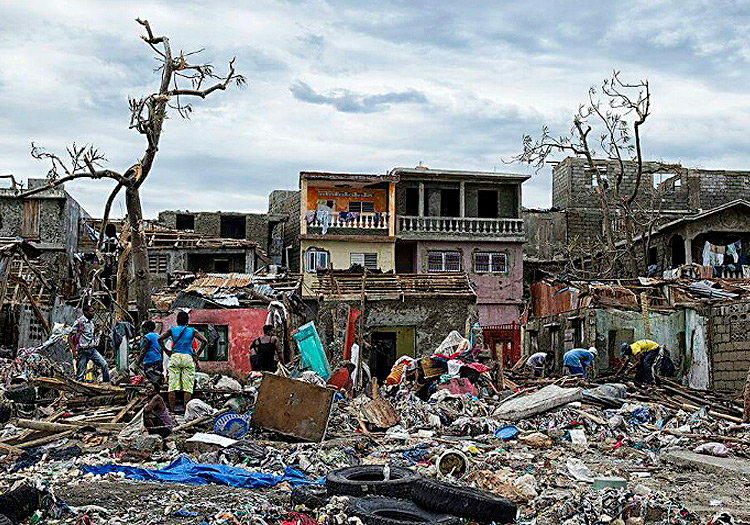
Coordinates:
380 413
294 408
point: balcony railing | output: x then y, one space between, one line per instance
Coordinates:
375 221
461 226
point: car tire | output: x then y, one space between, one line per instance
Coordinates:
312 496
368 480
21 394
466 502
378 510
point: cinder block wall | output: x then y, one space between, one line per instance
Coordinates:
730 345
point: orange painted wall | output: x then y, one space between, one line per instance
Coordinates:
341 197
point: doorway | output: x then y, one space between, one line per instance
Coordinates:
406 257
382 354
678 251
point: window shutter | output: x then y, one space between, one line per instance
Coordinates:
357 258
434 261
371 260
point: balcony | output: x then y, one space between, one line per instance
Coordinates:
372 223
460 226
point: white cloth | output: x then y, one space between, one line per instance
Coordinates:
454 365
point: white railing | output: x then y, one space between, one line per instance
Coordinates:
460 225
360 222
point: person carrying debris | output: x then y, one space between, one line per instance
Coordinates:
578 360
651 360
541 363
150 360
265 351
84 339
182 359
156 417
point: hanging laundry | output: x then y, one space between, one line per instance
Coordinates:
324 217
310 216
713 255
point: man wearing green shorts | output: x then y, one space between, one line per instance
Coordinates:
182 360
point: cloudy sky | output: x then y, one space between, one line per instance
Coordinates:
363 86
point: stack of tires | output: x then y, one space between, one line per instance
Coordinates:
396 496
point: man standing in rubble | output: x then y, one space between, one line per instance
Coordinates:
150 360
579 360
182 359
265 351
84 339
650 357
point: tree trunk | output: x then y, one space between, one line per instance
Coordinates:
123 280
139 254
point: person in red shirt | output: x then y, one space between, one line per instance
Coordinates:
341 380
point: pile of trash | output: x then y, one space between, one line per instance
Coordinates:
441 441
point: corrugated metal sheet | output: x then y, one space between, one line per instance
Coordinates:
550 299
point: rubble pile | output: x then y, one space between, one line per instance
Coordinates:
434 444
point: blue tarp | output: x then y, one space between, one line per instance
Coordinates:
184 470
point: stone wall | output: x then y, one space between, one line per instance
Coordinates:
285 205
432 319
730 345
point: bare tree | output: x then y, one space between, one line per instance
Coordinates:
181 80
609 131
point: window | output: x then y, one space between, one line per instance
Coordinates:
412 201
602 175
184 221
658 178
232 226
487 204
449 203
362 206
443 261
157 262
217 335
490 262
316 260
366 260
30 221
653 256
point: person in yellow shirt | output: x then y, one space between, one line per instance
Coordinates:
649 357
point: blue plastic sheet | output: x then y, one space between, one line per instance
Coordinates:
184 470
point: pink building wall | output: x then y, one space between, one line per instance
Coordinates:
244 325
499 296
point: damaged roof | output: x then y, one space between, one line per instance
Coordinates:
344 285
370 178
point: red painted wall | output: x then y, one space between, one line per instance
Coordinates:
245 324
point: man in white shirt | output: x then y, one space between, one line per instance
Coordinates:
85 341
541 363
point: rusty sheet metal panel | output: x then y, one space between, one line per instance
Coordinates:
547 299
293 407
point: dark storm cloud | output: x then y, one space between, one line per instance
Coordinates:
452 84
349 102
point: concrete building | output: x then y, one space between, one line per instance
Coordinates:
576 213
49 220
464 221
346 220
219 224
